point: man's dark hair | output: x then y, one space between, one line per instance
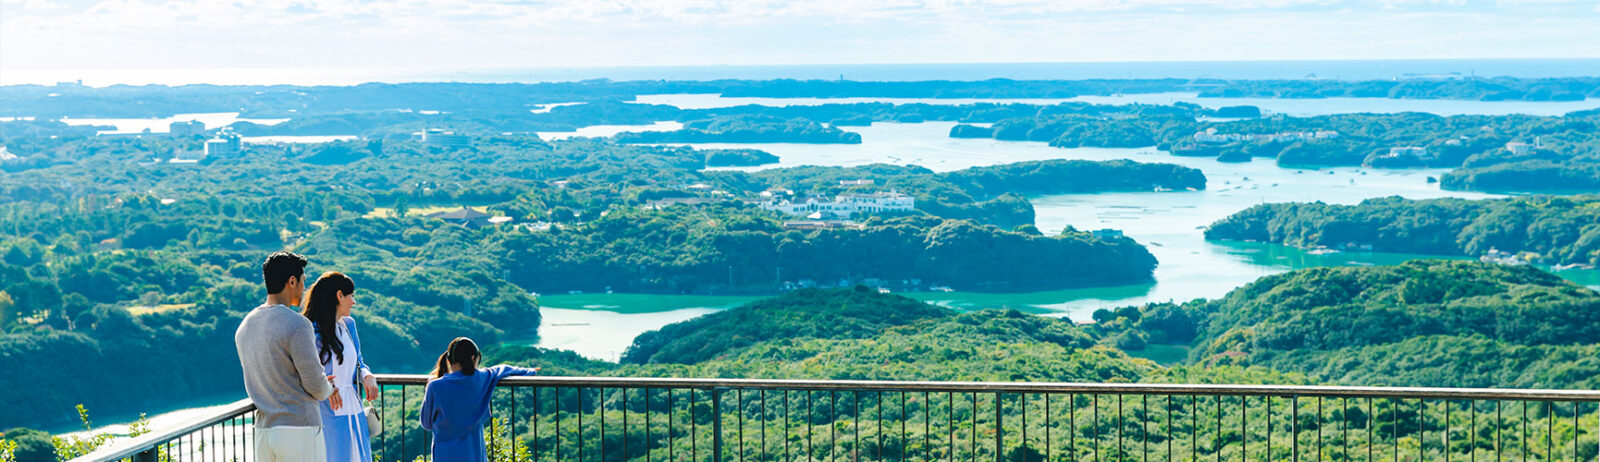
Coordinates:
279 267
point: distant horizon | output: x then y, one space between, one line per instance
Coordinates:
1239 69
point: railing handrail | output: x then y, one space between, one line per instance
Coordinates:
1034 387
118 450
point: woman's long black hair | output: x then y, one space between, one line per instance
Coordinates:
322 308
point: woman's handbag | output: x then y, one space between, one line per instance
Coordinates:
374 423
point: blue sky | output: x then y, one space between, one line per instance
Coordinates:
438 34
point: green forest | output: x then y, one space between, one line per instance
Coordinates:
111 254
1551 230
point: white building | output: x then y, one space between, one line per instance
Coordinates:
225 144
1408 151
1525 148
845 205
438 137
190 128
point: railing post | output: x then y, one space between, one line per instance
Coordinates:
716 425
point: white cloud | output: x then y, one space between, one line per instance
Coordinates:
45 34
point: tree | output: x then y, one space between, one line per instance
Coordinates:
400 207
6 307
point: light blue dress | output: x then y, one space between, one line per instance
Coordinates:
456 407
347 436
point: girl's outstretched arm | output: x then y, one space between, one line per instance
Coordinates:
506 370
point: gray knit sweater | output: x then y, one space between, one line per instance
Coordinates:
282 375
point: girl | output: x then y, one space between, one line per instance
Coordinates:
455 406
344 419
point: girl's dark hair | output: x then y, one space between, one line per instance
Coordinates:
322 308
463 353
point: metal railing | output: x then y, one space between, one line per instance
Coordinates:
592 419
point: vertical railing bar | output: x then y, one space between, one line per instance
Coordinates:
833 430
762 454
1344 428
556 392
950 424
1446 430
694 429
716 425
646 393
1575 429
1524 433
1319 429
1371 419
402 421
1216 438
1422 433
624 392
1294 428
811 454
1049 445
1268 416
600 406
972 444
1499 439
927 427
1144 427
1473 407
1244 432
787 455
739 408
581 411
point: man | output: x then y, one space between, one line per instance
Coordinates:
282 373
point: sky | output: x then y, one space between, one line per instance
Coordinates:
37 35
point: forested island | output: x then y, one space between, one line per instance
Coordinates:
746 129
1539 229
1513 153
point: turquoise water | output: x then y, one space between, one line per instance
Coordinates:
1168 223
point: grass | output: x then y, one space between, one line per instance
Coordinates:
388 212
144 310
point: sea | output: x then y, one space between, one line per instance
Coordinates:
1239 70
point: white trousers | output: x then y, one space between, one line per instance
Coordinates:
290 444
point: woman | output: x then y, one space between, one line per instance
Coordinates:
344 419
